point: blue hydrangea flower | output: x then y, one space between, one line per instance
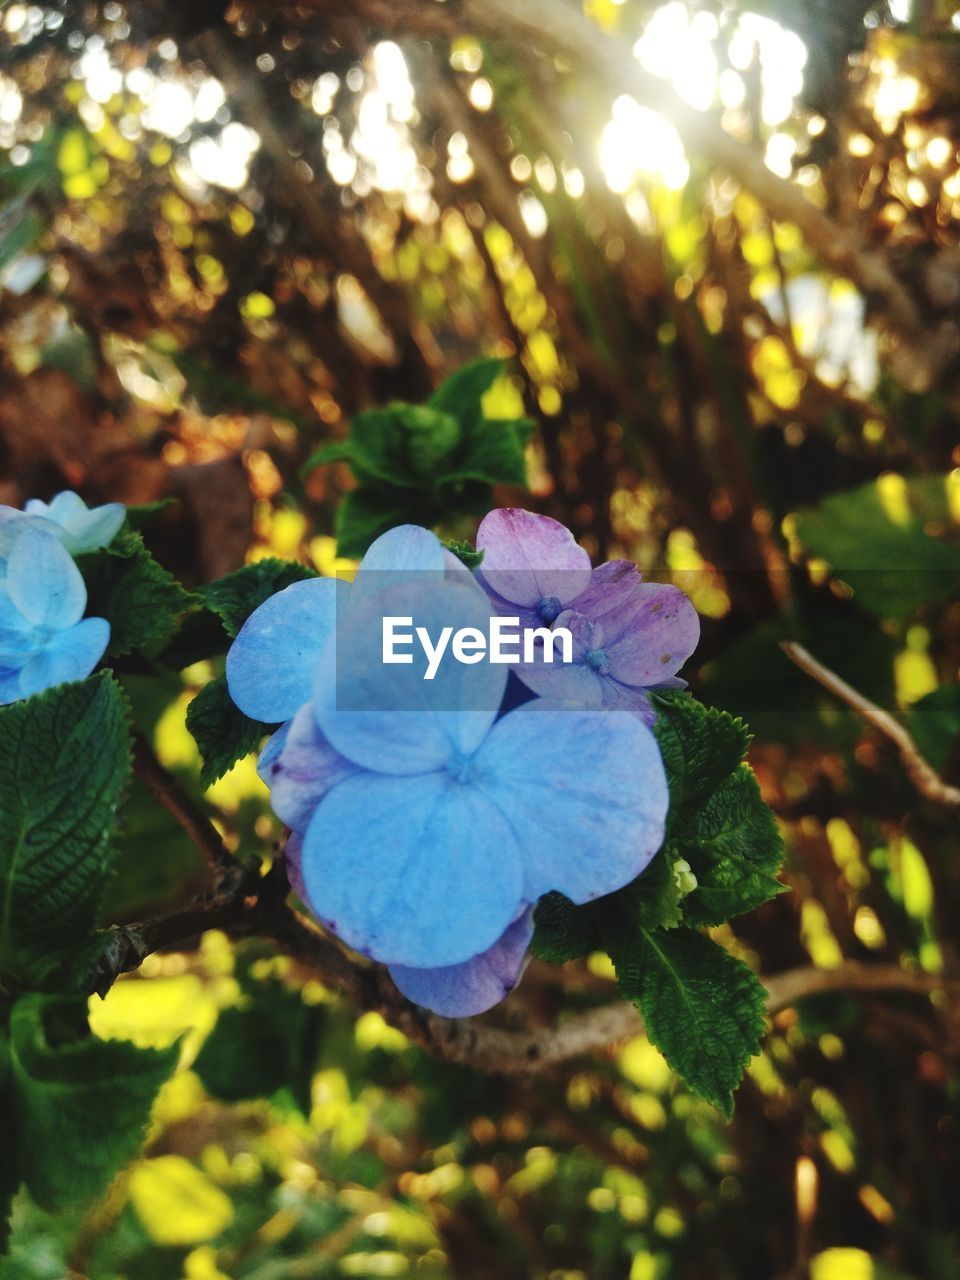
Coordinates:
429 822
44 638
67 518
629 636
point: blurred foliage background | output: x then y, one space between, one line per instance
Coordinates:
719 241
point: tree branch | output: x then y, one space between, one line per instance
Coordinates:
561 29
165 788
923 776
257 906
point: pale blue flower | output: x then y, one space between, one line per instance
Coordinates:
44 638
66 517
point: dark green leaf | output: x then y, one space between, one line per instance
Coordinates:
703 1009
935 724
72 351
142 884
366 513
201 635
20 227
563 931
462 392
140 599
897 549
654 899
700 747
734 849
221 730
235 597
141 513
9 1174
269 1043
494 455
82 1104
754 677
465 553
64 760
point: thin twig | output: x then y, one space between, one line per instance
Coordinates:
923 776
167 790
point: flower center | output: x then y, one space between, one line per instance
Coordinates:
549 609
596 660
461 768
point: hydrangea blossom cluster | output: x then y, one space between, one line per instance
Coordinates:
428 818
44 637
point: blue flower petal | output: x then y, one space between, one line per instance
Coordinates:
388 718
462 990
43 582
9 684
67 655
420 871
584 792
271 663
16 631
12 525
402 550
305 770
83 528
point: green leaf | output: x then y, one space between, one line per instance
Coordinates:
425 463
270 1042
734 849
235 597
465 553
892 541
142 513
9 1175
935 724
462 392
64 760
82 1104
700 747
494 456
703 1009
718 822
654 900
140 599
364 514
221 730
72 352
563 931
20 228
143 885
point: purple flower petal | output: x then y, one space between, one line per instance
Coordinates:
611 587
579 682
462 990
304 770
531 561
650 636
270 754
